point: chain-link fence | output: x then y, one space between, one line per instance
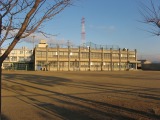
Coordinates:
85 45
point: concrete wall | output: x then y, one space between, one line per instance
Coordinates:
151 66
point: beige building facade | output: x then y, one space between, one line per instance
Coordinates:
83 58
18 58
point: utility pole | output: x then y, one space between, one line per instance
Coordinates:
83 33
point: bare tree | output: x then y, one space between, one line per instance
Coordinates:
151 15
21 18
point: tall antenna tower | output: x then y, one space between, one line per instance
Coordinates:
83 33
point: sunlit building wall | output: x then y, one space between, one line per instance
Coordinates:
84 59
19 57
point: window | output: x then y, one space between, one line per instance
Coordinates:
115 65
52 54
53 64
5 65
96 55
13 58
63 64
74 55
84 64
21 58
132 56
38 54
63 54
115 56
107 55
124 56
85 55
29 52
41 54
123 65
21 52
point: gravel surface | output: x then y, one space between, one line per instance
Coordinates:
39 95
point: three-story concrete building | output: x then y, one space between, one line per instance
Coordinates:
86 58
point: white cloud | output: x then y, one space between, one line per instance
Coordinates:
11 33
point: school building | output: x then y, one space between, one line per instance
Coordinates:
84 58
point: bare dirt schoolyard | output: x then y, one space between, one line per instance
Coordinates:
38 95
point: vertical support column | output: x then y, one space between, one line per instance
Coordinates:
47 58
79 58
128 59
57 57
35 58
119 59
102 58
24 50
136 58
69 51
89 58
111 63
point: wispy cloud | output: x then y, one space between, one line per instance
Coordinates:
50 39
110 28
36 37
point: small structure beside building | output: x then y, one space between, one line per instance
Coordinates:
148 65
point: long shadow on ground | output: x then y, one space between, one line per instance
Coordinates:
70 106
37 79
3 117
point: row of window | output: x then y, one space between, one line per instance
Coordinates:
83 64
42 54
14 52
15 58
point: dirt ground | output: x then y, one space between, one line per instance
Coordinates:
38 95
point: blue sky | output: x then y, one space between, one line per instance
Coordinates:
107 22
